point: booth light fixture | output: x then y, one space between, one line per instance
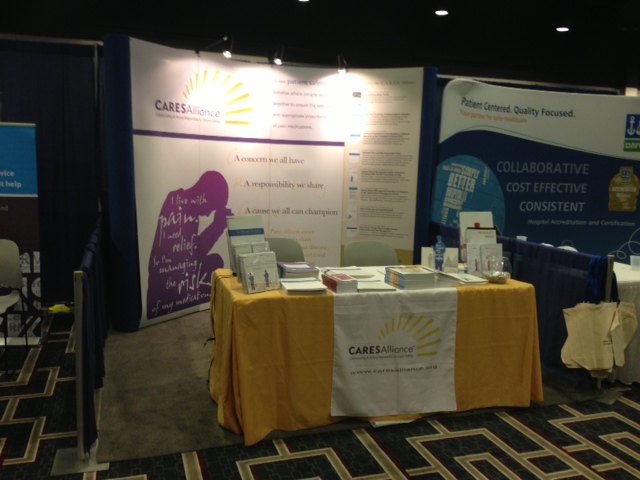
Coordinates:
227 51
214 44
342 64
278 56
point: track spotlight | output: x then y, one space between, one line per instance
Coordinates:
278 56
227 51
342 64
214 44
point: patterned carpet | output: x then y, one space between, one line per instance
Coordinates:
589 439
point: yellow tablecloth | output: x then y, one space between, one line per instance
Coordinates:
273 354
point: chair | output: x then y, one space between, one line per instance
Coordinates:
367 253
286 249
10 290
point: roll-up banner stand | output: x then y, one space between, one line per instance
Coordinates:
557 168
19 218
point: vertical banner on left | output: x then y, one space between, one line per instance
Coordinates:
19 212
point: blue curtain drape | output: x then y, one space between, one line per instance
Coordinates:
427 160
560 278
55 86
124 265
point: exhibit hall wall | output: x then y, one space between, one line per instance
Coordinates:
558 168
299 146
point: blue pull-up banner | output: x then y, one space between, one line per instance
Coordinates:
559 168
19 209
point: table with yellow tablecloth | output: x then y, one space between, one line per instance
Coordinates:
273 354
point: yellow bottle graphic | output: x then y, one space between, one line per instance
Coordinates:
623 191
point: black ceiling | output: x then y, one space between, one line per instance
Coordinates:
484 38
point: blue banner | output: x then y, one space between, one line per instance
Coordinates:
557 168
18 168
19 215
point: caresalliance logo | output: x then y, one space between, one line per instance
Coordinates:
632 133
413 336
210 96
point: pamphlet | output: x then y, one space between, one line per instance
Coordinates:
303 286
481 235
450 264
355 272
374 285
298 270
472 220
259 272
428 257
244 229
243 248
477 254
410 277
340 282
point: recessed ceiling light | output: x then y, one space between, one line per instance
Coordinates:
562 29
442 13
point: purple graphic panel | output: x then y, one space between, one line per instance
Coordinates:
180 264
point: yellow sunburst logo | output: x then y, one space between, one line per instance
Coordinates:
220 91
422 332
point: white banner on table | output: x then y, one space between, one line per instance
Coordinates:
394 357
